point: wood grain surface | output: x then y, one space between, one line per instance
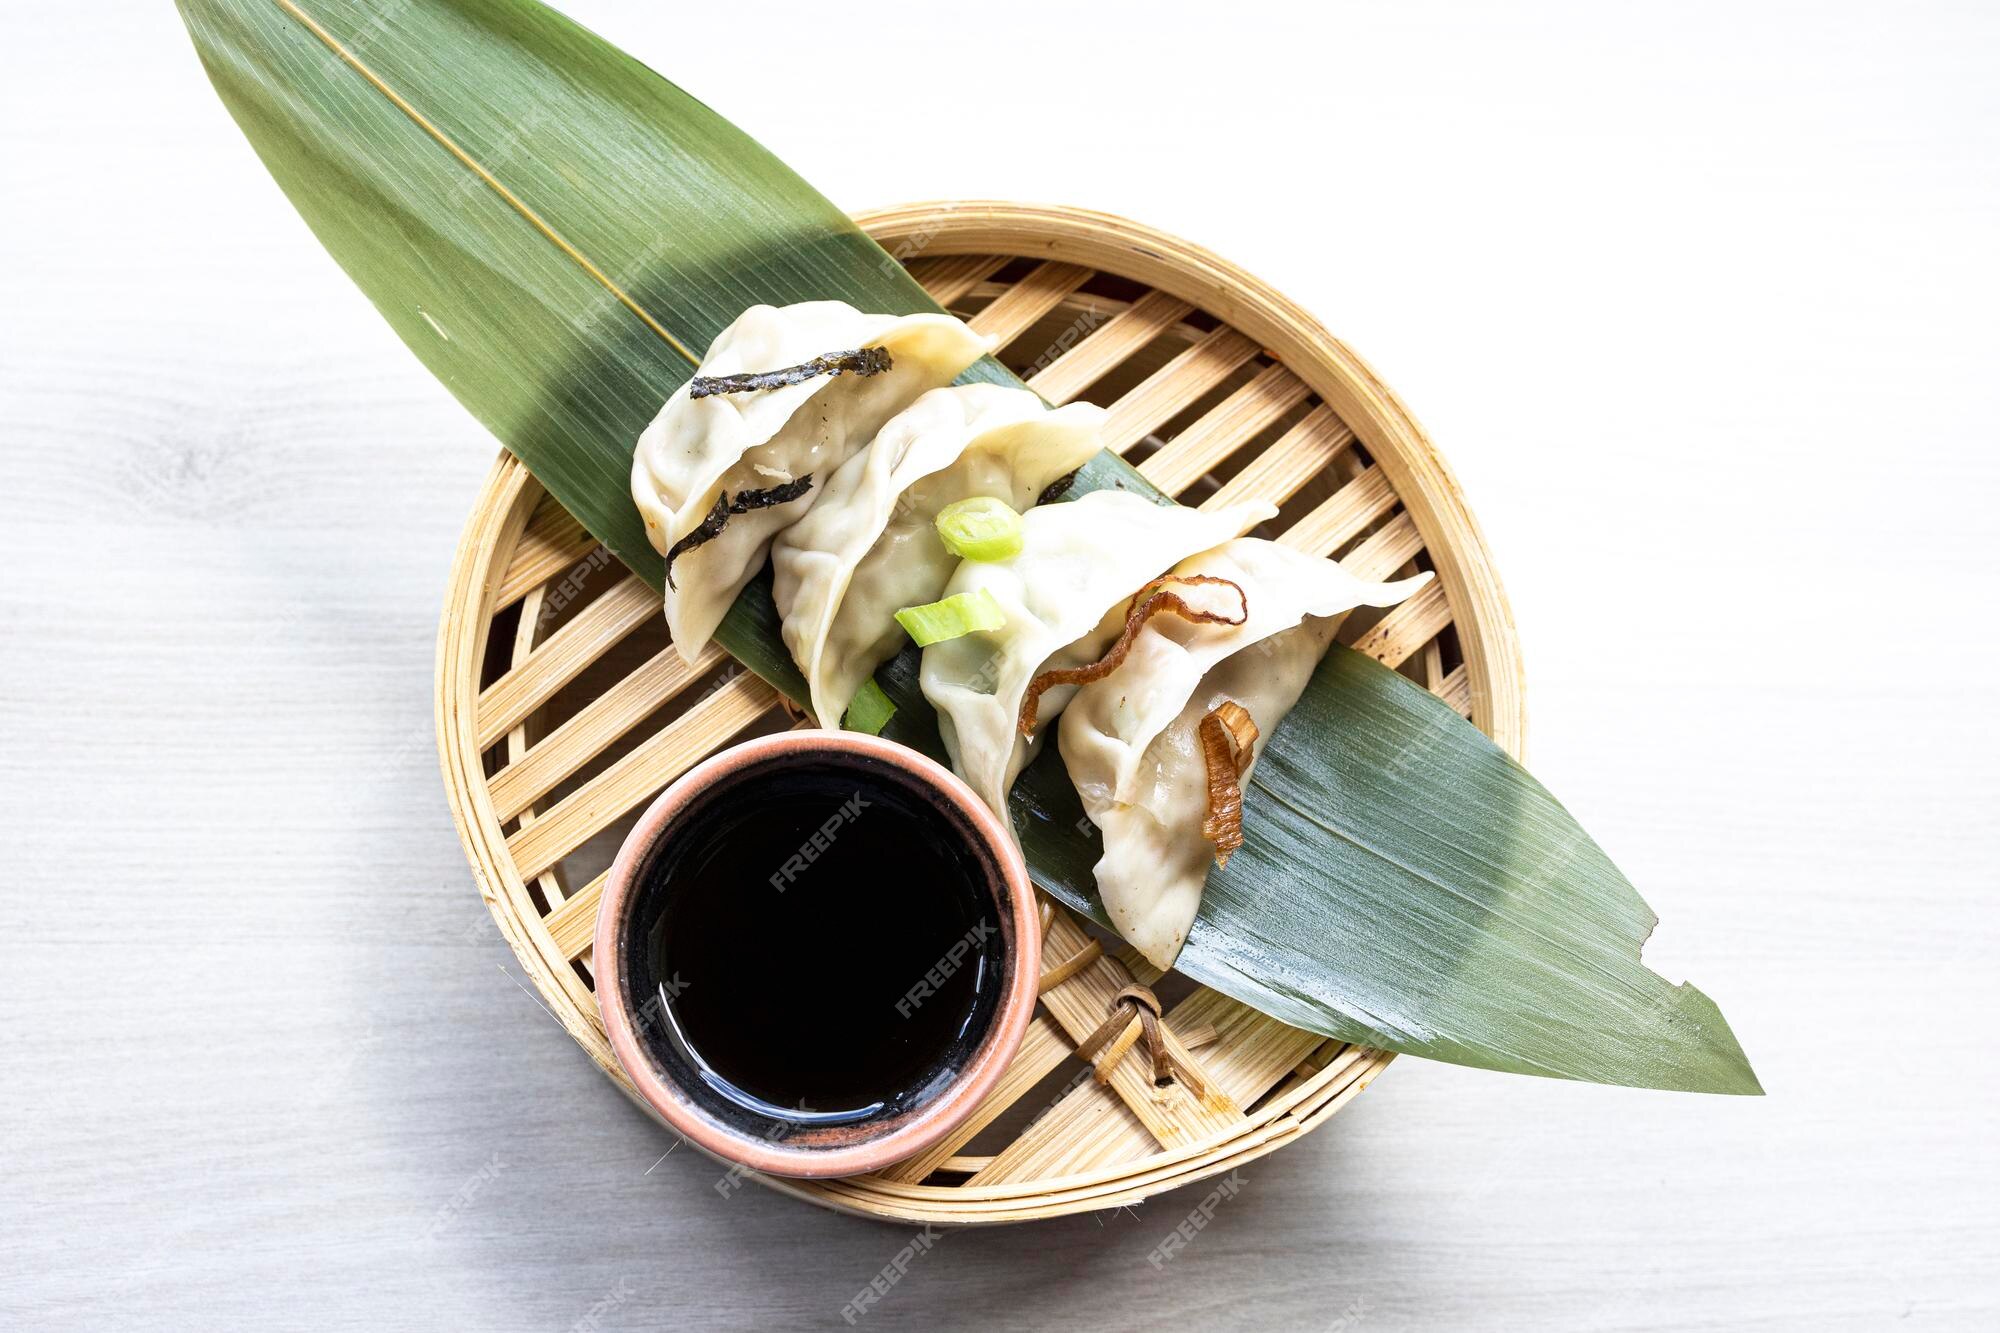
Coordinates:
1699 306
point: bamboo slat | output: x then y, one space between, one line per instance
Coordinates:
1225 428
950 279
641 774
1251 1052
1013 314
1110 346
549 882
1342 516
1302 453
1174 387
567 652
1042 1052
1408 626
596 726
553 542
572 925
1385 550
1456 690
1171 1114
1345 452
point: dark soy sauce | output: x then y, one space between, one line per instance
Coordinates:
816 944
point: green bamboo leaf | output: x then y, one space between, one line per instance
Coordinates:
557 232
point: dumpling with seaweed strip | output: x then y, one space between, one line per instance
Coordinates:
1161 744
870 547
784 396
1079 560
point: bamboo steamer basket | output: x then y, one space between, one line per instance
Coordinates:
562 709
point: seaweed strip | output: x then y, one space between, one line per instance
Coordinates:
860 361
718 517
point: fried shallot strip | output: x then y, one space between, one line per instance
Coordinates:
1227 736
1148 602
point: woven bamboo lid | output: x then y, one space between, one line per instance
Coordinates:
562 708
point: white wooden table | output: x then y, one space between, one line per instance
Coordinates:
1700 304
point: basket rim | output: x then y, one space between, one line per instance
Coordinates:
1418 475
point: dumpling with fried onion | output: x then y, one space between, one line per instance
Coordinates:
996 688
1161 745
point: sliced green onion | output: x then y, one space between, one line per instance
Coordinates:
870 710
954 617
981 528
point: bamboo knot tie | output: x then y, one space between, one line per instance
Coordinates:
1105 1047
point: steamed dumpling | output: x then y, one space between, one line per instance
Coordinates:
697 449
1063 596
1131 740
870 547
1112 721
1156 861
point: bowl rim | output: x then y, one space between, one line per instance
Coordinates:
931 1122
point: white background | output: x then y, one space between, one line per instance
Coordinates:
1700 302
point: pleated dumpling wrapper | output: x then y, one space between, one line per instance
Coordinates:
1132 741
720 457
1062 598
870 547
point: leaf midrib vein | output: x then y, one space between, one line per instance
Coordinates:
514 201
